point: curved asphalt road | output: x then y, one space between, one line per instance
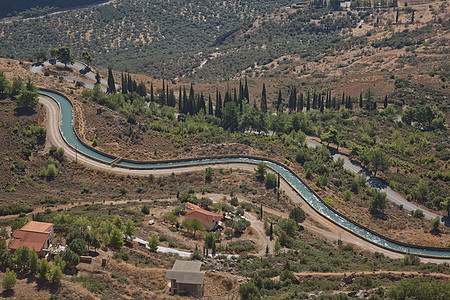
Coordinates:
375 182
79 68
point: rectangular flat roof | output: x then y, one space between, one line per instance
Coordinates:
188 272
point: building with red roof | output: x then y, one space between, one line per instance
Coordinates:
209 219
34 235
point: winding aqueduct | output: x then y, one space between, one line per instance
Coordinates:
61 133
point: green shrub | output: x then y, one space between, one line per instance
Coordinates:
145 209
271 180
347 196
91 284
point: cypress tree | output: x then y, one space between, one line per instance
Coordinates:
264 99
111 83
180 101
412 17
191 102
201 103
124 85
396 17
152 97
314 102
218 105
321 103
210 106
280 100
246 95
185 101
235 99
300 103
360 100
241 91
294 99
141 89
385 101
308 102
130 84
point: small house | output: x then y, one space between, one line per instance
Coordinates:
209 219
34 235
186 278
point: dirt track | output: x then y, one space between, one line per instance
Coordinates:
320 224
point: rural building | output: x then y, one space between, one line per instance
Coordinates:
34 235
209 219
186 278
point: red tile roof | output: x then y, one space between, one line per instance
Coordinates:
205 216
34 226
33 240
33 235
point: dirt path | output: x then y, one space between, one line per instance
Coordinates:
373 273
259 228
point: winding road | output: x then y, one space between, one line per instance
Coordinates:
328 228
376 183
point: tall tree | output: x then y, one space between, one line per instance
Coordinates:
300 103
152 96
385 101
264 99
87 57
280 99
246 95
218 105
180 101
210 106
124 85
28 96
111 83
378 160
308 102
64 54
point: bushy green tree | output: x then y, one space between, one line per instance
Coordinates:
249 291
271 180
209 172
378 201
130 229
145 209
210 239
87 57
434 224
64 54
116 238
289 226
9 279
297 214
153 243
261 170
22 257
70 257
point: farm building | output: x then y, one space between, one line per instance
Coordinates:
186 278
209 219
34 235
